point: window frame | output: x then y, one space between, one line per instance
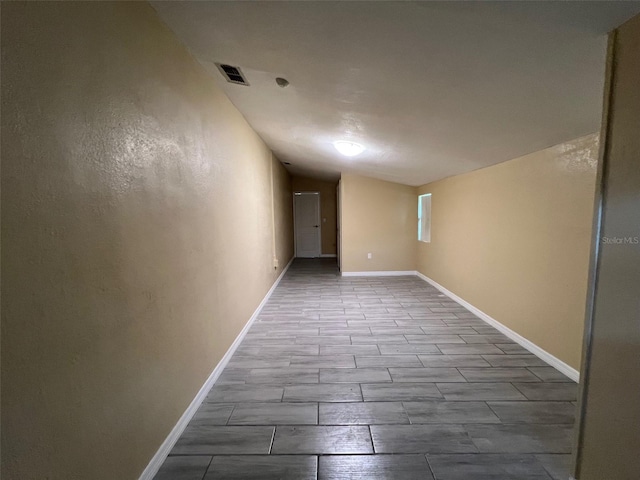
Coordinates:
424 218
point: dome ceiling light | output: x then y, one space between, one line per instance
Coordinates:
348 149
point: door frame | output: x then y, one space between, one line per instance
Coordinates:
319 221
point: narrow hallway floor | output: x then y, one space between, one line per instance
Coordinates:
376 378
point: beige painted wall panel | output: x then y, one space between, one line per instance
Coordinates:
514 240
136 235
610 439
328 208
283 210
381 218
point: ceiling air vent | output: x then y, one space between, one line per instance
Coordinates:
232 74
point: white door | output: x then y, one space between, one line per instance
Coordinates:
307 224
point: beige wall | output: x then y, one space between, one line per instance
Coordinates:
380 218
514 240
136 235
328 209
282 212
610 433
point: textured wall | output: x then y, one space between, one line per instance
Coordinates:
137 235
380 218
328 209
611 430
514 241
282 214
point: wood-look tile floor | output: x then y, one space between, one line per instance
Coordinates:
376 378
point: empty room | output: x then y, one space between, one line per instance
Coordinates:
314 240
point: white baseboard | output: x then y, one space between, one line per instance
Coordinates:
555 362
162 453
379 274
328 255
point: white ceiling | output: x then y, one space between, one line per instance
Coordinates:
431 89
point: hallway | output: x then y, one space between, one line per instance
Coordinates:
338 368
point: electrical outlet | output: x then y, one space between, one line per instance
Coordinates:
275 263
369 256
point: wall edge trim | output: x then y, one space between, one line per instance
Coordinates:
386 273
163 452
539 352
328 255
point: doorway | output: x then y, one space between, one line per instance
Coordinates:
307 226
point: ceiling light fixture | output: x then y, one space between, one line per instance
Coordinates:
348 149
